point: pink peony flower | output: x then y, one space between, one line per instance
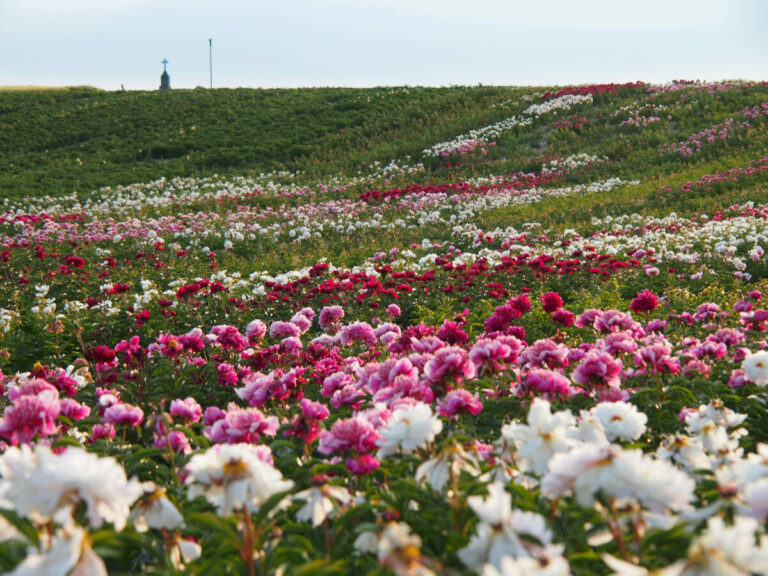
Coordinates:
356 434
175 439
307 424
546 352
459 401
362 464
613 321
490 356
547 382
227 374
357 332
31 415
245 425
256 330
450 365
330 315
102 432
228 337
598 369
280 330
188 410
122 413
657 358
74 410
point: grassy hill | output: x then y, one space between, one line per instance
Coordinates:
59 140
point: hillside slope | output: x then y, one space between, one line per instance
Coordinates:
57 141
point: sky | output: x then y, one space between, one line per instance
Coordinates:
295 43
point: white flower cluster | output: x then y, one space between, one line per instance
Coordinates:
564 102
484 134
561 165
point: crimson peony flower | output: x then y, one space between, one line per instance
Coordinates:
551 302
644 302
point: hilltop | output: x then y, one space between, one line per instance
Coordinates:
59 140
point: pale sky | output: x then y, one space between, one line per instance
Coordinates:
291 43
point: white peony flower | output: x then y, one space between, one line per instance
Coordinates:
755 368
42 484
409 428
69 553
504 532
231 476
686 452
451 461
756 499
622 474
728 550
549 566
620 420
545 435
155 511
320 502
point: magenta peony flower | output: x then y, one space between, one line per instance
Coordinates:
564 317
31 415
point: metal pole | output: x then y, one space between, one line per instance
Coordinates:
210 58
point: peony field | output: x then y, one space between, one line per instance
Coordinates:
495 331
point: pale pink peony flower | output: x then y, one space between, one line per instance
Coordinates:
393 310
255 330
331 315
459 401
450 365
123 413
598 368
356 434
280 330
357 332
546 352
245 425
